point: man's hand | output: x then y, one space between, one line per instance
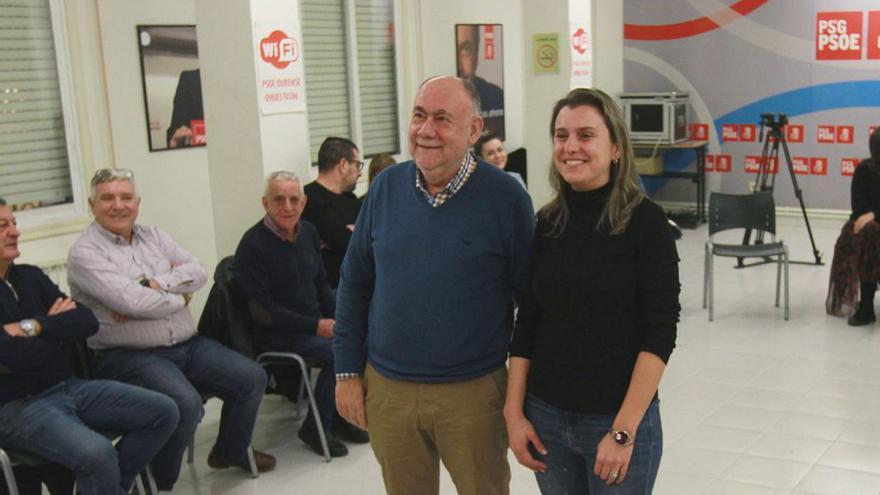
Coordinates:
187 297
350 227
154 285
183 136
119 318
61 305
14 330
350 401
325 327
862 221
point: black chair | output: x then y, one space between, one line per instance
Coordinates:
227 318
743 211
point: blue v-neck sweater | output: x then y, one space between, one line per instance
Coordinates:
427 294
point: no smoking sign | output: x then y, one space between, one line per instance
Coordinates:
545 53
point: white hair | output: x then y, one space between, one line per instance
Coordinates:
280 176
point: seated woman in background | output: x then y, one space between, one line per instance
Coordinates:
490 148
598 320
377 164
857 251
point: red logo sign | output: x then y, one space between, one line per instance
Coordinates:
873 39
826 134
580 41
198 130
801 165
794 133
489 42
845 134
819 166
723 163
747 132
699 132
730 132
279 50
838 35
710 163
848 166
753 164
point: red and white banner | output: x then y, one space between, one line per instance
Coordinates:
838 35
818 166
848 166
279 63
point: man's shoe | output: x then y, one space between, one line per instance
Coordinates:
313 440
860 318
349 432
264 462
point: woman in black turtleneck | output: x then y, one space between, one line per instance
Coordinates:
598 323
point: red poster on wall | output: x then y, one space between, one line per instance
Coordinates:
747 132
794 133
826 134
872 41
848 166
801 165
730 132
845 134
838 35
710 163
723 163
819 166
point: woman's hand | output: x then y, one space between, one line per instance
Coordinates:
520 434
862 221
612 460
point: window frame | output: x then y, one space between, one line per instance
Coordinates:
70 216
353 83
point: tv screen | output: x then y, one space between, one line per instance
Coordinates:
646 117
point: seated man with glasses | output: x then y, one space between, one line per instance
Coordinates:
333 207
280 272
139 283
45 410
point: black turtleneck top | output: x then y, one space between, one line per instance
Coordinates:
595 301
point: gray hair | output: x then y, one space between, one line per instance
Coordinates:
280 176
469 88
103 175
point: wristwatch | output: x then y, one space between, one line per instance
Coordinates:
29 327
621 437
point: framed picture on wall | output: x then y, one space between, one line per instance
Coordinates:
480 59
172 87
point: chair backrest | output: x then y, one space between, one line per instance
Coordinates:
226 317
755 211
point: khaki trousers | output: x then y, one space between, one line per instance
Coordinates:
414 425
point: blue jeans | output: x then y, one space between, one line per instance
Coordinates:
185 372
59 426
572 439
319 351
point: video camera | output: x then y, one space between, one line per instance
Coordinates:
772 120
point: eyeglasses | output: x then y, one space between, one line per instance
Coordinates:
358 163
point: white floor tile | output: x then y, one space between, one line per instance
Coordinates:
765 471
789 447
822 480
852 456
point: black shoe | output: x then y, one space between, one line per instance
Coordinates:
313 440
349 432
860 318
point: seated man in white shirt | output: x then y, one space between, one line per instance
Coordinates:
139 283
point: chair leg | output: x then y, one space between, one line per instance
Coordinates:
314 405
252 463
786 283
137 482
302 395
778 277
8 474
711 277
705 272
190 451
151 480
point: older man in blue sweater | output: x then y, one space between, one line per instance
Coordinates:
425 303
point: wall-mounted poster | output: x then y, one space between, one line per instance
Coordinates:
172 86
480 59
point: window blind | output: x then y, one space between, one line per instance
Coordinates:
326 66
34 167
377 73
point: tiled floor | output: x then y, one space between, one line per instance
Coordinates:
751 404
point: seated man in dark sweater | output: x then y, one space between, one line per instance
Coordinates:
332 206
281 274
47 412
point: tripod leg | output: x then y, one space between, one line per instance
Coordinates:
800 196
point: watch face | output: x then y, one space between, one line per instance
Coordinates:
621 437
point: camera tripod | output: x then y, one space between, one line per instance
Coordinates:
766 179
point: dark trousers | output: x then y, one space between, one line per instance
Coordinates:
185 372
